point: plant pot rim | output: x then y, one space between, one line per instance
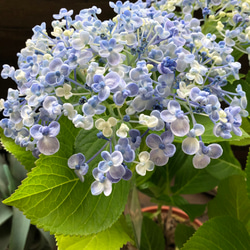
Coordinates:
175 210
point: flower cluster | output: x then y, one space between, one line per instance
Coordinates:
140 79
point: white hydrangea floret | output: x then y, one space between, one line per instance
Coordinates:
145 163
106 126
64 91
69 111
122 132
149 121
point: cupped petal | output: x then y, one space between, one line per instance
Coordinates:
75 159
118 98
117 172
54 129
199 129
97 188
80 176
167 136
166 116
48 145
180 127
173 106
201 161
190 145
99 123
215 151
169 150
153 141
113 180
104 93
141 169
129 155
103 166
144 156
158 157
107 187
128 174
35 132
114 58
106 156
149 165
133 88
117 158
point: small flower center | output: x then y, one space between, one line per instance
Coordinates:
110 163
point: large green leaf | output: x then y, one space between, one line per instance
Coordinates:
189 180
55 199
231 200
226 165
248 174
220 233
25 157
112 238
152 236
182 234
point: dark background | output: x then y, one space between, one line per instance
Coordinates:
18 17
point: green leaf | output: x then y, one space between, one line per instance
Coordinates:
189 180
25 157
152 236
220 233
182 234
231 200
226 165
55 199
112 238
248 174
19 230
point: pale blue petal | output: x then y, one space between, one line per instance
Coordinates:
48 145
190 146
54 129
173 106
106 156
167 137
35 132
169 150
97 188
104 93
133 88
153 141
103 166
168 117
114 58
118 98
75 160
117 172
215 151
107 187
180 127
117 158
128 174
158 157
201 161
